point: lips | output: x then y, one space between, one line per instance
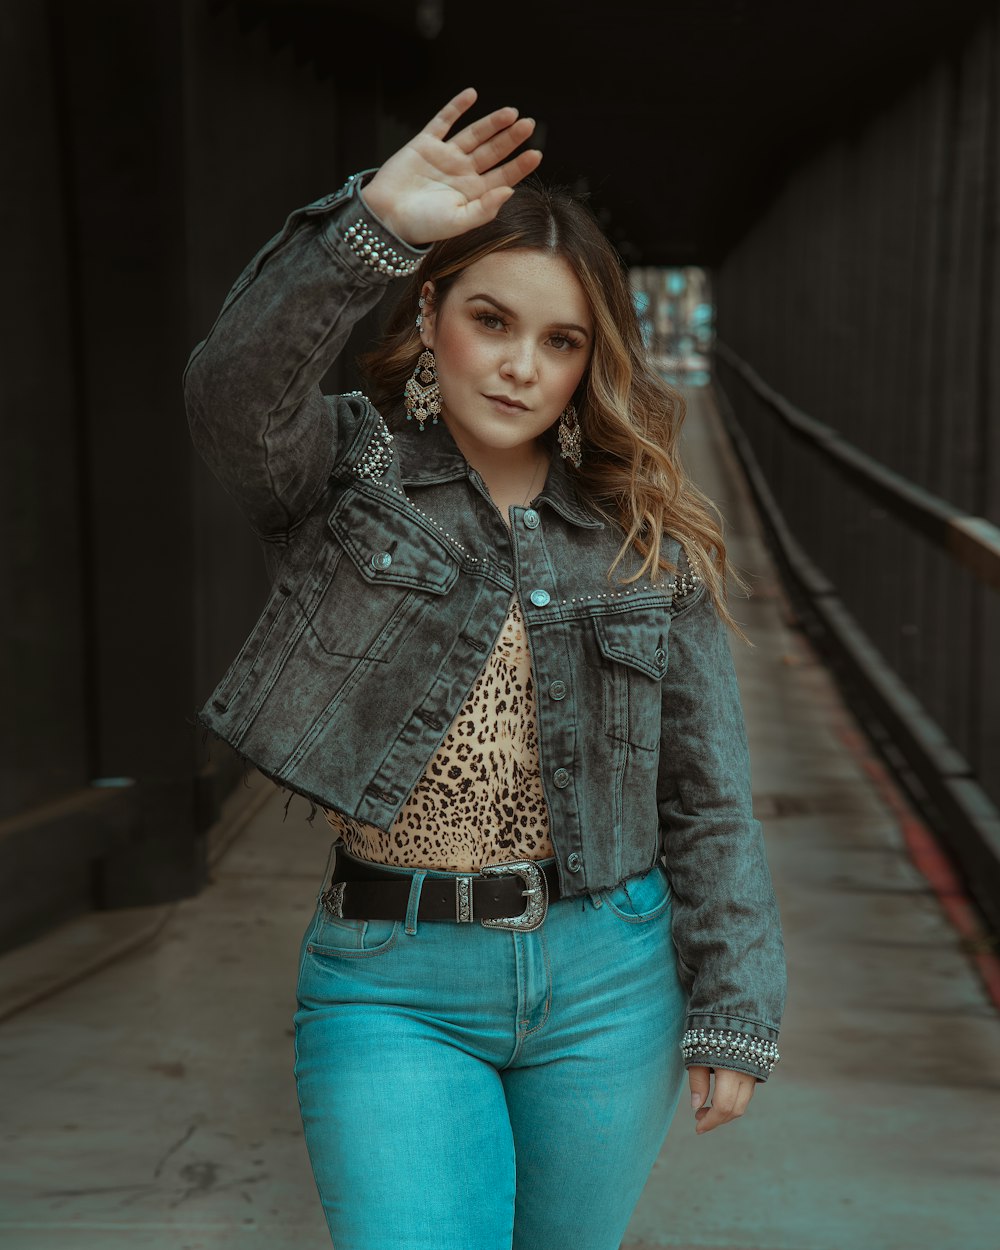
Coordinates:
507 404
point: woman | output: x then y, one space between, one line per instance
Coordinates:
495 653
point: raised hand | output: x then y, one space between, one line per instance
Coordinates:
436 187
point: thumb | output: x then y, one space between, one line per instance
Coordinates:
479 212
698 1079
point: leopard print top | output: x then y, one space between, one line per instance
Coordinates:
480 800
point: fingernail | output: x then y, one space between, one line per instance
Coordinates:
696 1101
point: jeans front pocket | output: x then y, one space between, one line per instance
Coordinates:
640 899
341 938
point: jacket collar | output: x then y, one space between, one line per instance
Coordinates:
432 456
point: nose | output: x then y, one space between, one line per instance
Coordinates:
520 364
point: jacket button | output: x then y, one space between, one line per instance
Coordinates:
539 598
660 656
531 519
573 862
381 560
558 690
561 778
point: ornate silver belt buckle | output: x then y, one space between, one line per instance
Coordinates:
536 892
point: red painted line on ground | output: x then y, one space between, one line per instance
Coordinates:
930 861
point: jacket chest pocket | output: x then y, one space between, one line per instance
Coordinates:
388 568
634 659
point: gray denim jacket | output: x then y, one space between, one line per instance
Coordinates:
392 574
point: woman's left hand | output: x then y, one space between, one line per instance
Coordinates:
733 1091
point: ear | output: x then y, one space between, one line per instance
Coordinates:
428 314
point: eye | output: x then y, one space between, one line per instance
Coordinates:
564 342
491 320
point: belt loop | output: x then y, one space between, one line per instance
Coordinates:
416 884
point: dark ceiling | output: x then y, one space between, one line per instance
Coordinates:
682 120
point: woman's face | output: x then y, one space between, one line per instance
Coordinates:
511 338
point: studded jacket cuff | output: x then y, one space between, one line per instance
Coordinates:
735 1048
368 238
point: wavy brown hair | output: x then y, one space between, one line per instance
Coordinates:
630 419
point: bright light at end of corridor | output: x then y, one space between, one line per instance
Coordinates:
677 320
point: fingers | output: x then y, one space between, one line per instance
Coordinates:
500 185
732 1094
698 1079
490 139
484 130
499 146
442 122
510 175
479 212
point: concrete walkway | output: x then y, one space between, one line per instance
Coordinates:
151 1105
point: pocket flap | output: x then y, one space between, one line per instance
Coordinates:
637 638
390 544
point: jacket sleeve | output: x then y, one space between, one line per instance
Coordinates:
726 926
251 388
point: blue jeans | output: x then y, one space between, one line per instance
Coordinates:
465 1088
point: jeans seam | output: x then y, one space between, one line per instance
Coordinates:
548 993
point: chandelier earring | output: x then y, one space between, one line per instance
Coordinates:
422 395
570 437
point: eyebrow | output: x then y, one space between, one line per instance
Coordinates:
509 312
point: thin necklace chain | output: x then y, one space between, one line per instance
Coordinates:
531 484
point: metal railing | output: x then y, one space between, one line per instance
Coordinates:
898 585
972 541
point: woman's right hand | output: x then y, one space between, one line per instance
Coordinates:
436 187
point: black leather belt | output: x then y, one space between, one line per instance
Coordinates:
503 896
